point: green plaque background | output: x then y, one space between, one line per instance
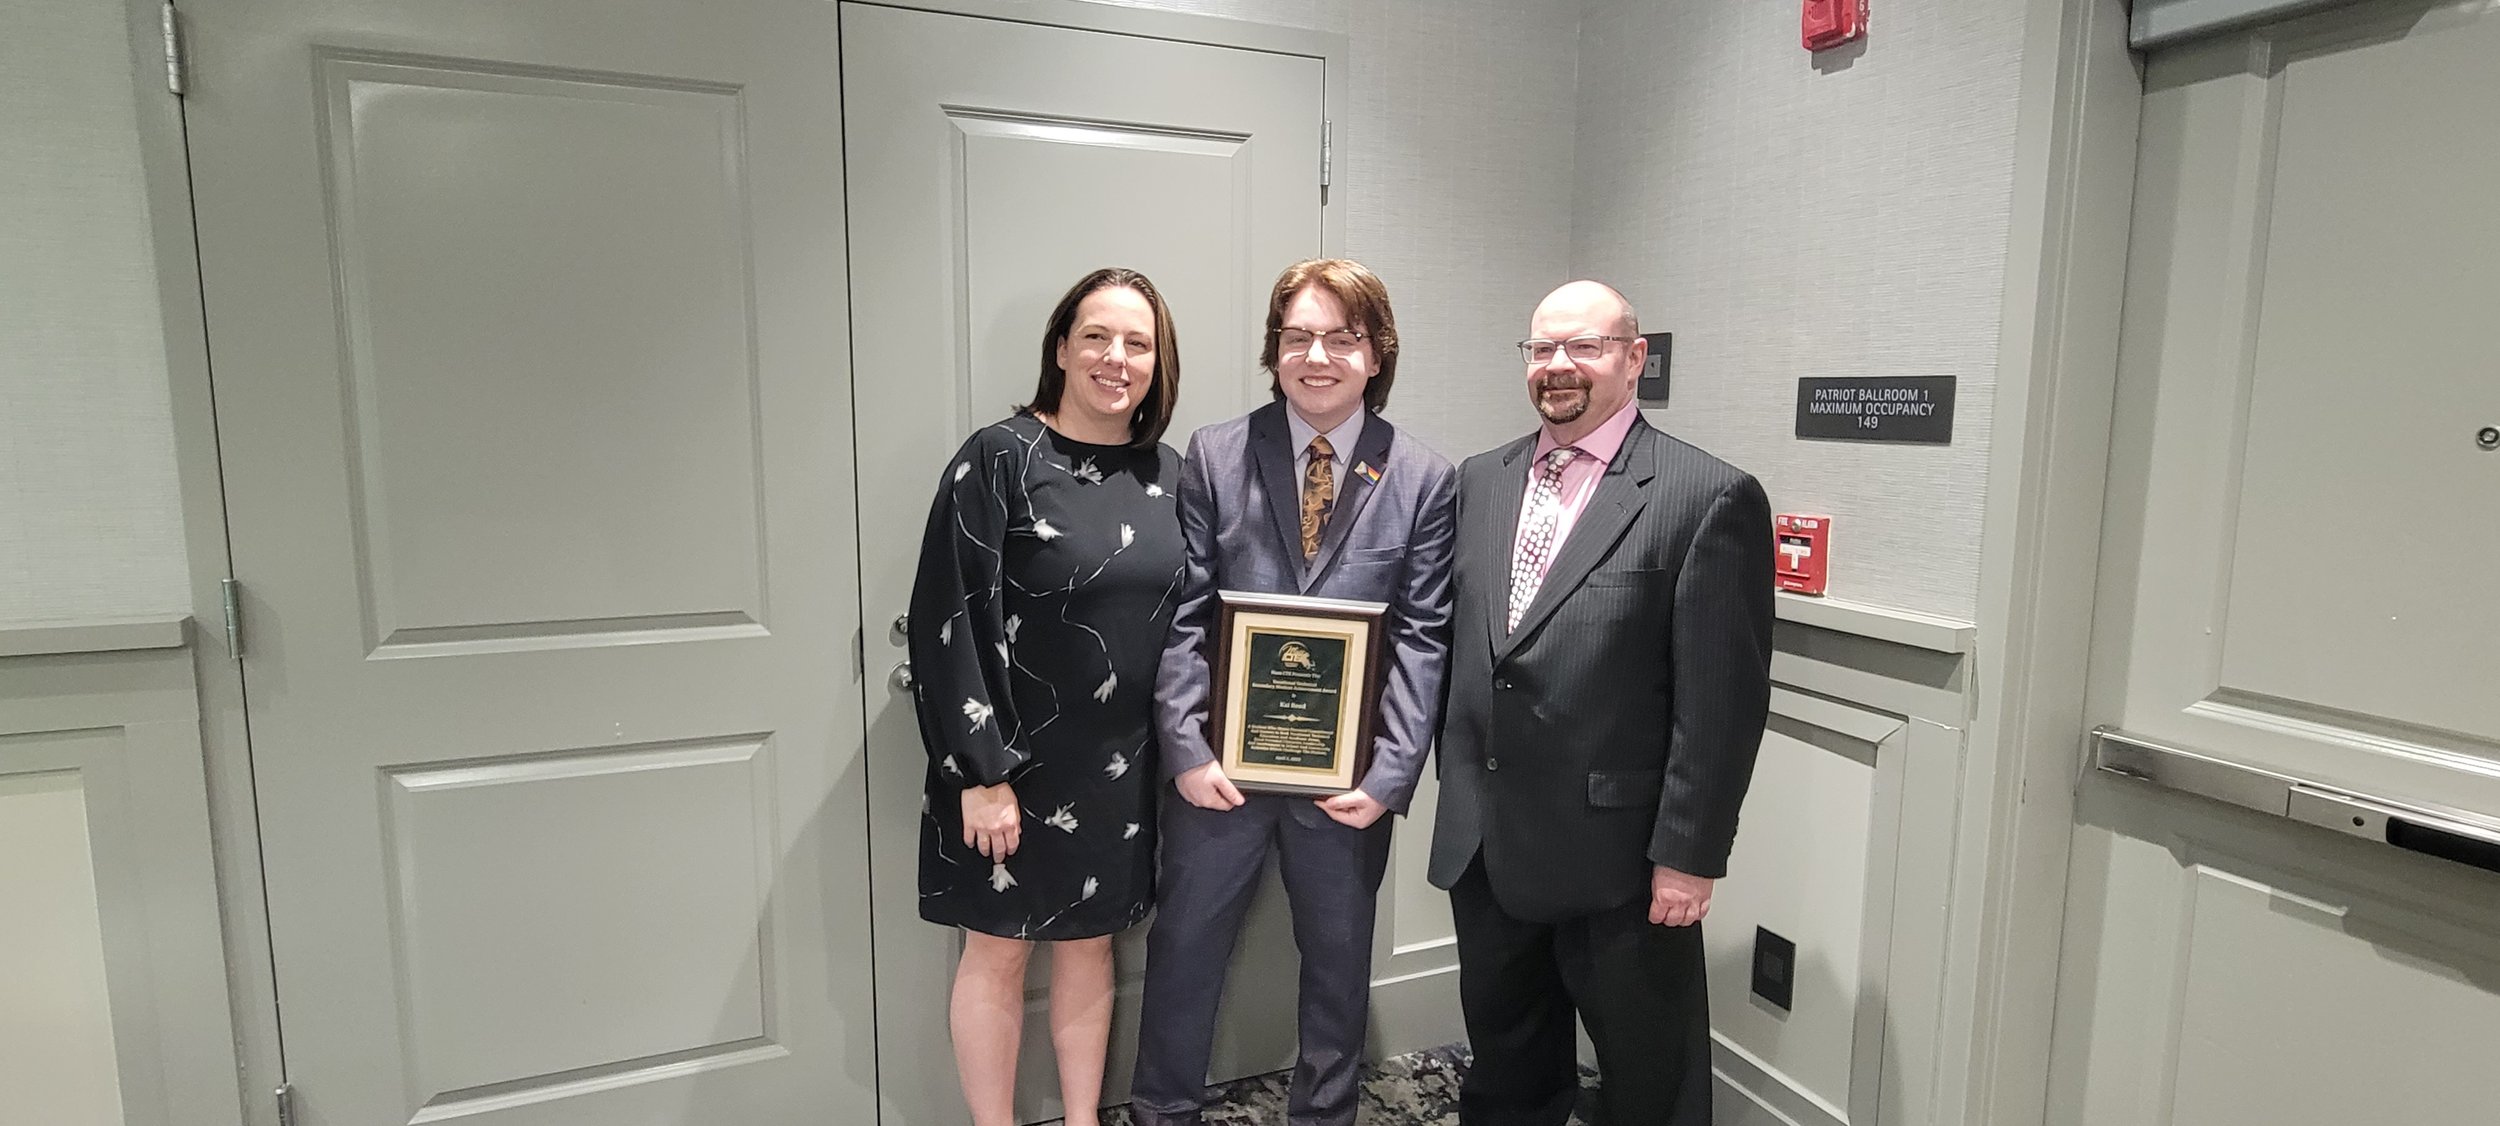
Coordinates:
1290 713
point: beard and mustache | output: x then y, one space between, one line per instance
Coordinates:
1567 408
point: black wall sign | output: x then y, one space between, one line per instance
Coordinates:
1653 385
1912 408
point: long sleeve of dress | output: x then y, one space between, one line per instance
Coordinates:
959 632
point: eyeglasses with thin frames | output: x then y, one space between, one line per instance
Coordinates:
1579 348
1340 343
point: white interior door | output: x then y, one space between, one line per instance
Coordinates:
2296 563
527 323
990 165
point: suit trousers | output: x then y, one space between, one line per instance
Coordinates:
1641 988
1211 863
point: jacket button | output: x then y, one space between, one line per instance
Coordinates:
1492 764
1501 685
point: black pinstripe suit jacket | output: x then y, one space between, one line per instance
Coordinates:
1616 727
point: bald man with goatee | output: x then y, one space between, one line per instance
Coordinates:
1609 676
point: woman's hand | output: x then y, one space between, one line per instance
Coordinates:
993 823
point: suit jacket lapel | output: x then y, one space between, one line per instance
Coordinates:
1271 447
1498 531
1620 496
1353 491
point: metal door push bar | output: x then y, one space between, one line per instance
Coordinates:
2445 833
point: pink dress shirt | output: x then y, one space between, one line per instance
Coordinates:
1579 478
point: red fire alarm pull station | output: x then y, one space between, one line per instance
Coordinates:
1804 547
1830 23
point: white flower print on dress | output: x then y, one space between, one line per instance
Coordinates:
1033 491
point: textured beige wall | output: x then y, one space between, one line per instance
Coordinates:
1461 150
1790 215
1454 157
90 523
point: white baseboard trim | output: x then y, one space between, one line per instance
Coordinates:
1424 947
1411 1012
1750 1079
1417 975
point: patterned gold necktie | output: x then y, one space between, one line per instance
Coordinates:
1536 538
1319 494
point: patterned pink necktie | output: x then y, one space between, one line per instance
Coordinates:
1536 540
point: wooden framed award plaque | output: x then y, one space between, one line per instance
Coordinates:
1297 691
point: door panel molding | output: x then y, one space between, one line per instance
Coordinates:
2365 734
2170 865
2277 217
2218 337
639 382
488 546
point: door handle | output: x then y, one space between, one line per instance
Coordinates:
900 678
2413 830
2451 835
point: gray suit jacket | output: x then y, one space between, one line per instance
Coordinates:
1616 728
1241 520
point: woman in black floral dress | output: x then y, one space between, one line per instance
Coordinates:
1046 580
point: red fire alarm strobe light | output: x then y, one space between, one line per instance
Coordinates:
1803 548
1830 23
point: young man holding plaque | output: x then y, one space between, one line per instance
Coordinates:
1299 692
1609 681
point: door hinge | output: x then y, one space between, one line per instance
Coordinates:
173 48
233 594
1327 153
286 1104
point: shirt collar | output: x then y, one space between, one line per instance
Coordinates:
1340 440
1602 443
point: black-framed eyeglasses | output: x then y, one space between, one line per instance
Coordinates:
1580 348
1340 343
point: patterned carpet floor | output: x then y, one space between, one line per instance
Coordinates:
1417 1089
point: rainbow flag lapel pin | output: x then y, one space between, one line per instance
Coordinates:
1369 474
